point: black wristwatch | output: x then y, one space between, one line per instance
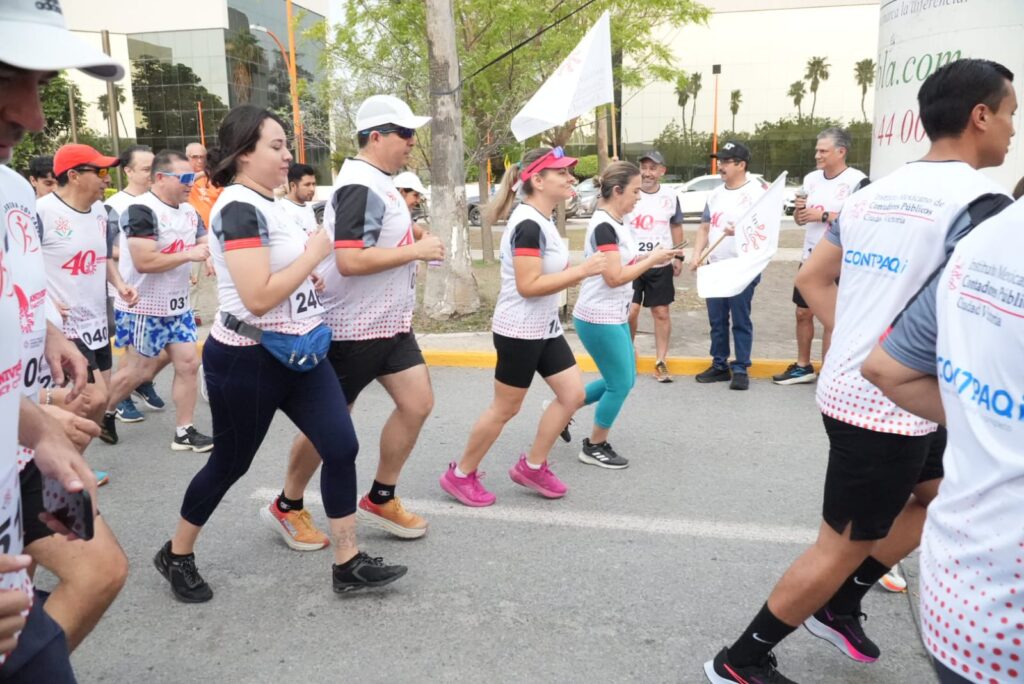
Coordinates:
824 217
679 258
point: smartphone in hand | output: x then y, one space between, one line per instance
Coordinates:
74 511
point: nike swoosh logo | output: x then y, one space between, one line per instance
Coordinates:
861 584
763 641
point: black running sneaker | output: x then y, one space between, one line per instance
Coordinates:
187 584
713 374
740 381
363 571
721 671
108 429
193 439
601 455
845 633
795 375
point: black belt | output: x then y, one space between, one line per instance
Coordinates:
231 322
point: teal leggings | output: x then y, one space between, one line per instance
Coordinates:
611 347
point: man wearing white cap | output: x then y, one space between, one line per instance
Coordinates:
370 292
409 184
34 45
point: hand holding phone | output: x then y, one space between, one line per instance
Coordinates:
72 510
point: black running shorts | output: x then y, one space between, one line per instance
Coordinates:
871 475
357 363
518 359
798 298
655 288
101 359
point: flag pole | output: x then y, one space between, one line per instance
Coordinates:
711 249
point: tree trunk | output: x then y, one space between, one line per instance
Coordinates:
602 138
486 236
693 113
451 287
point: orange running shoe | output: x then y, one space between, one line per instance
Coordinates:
391 517
295 527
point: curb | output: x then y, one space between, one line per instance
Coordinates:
677 365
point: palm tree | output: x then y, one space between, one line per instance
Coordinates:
735 99
683 94
695 85
817 71
864 72
797 92
247 58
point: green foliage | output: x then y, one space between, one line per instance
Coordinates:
817 71
797 90
695 86
168 120
735 100
381 47
586 167
783 145
683 94
864 72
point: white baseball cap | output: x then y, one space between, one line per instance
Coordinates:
33 36
378 110
407 180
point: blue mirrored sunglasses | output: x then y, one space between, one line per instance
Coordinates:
184 178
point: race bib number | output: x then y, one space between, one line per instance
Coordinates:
35 372
646 246
554 328
93 332
178 303
10 525
305 303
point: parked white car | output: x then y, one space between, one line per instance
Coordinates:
693 194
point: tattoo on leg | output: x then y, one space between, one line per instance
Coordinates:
345 539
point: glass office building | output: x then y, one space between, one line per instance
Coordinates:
177 74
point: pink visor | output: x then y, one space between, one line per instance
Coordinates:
555 159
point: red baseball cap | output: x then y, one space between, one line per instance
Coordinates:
554 159
70 156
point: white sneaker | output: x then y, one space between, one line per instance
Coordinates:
893 581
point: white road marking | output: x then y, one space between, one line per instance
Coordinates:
594 520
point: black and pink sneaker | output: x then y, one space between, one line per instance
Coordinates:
845 633
721 671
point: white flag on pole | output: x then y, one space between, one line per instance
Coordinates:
757 240
583 81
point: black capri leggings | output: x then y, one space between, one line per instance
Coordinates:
247 386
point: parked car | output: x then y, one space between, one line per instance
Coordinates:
693 194
473 205
789 204
587 193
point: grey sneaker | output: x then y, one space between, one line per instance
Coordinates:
601 455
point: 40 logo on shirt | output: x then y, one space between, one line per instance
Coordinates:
716 218
83 263
643 222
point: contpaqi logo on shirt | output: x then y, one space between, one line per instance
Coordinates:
873 260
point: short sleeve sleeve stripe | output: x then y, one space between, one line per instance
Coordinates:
526 239
358 217
139 221
605 238
240 225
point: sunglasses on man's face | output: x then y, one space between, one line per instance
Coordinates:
401 131
184 178
102 173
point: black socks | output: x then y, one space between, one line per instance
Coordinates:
847 600
286 505
760 637
381 493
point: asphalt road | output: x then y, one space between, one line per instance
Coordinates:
635 576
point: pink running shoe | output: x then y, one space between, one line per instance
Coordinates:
467 490
542 481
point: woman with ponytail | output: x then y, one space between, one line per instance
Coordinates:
601 313
526 328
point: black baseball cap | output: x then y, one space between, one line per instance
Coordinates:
733 150
654 156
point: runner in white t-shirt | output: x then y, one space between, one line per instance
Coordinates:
27 64
161 236
726 205
526 327
955 356
77 242
826 189
885 463
655 222
369 296
137 167
297 203
264 265
601 313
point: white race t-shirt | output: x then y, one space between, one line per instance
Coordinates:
652 218
365 211
968 329
727 206
241 219
301 214
827 194
598 302
76 249
174 229
529 233
893 236
115 204
16 198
